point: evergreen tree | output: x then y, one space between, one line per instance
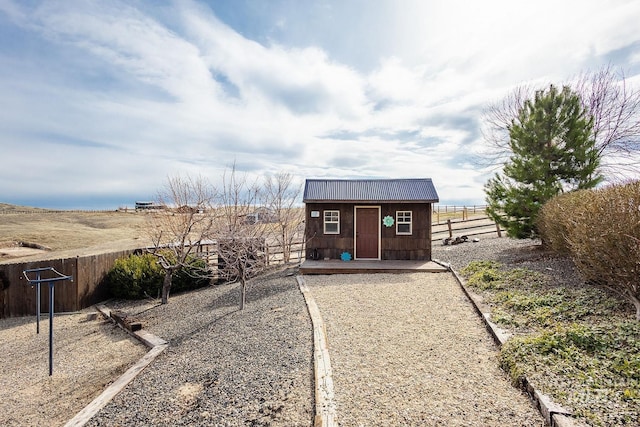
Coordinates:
552 151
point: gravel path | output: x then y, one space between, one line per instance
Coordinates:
408 349
223 367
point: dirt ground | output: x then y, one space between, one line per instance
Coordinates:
88 355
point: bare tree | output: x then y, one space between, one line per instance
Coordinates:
178 230
280 197
605 94
615 107
241 241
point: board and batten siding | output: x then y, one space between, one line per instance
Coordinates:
416 246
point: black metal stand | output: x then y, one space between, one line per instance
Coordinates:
51 281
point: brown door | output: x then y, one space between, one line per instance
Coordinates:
367 232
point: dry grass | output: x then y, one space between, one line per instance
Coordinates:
61 231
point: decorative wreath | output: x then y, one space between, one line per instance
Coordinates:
388 221
346 256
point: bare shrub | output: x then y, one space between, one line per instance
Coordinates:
603 236
556 216
281 195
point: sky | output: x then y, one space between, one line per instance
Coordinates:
101 101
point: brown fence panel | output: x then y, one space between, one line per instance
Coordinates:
18 298
90 277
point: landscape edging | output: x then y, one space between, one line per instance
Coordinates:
554 414
157 346
325 408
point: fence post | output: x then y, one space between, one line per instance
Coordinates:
450 229
498 230
77 284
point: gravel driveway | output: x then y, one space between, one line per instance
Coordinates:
409 350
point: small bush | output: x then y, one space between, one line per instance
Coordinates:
135 276
557 217
193 275
605 243
140 276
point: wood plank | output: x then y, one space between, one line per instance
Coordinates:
325 409
105 397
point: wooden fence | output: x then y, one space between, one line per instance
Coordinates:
18 298
442 213
471 228
275 253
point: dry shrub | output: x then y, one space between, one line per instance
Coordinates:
601 231
557 216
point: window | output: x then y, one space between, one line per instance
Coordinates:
331 222
403 222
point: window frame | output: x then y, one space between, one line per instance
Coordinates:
325 222
404 222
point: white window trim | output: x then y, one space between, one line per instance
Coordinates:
324 222
404 233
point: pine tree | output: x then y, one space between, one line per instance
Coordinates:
552 151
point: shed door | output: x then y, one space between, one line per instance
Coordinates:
367 232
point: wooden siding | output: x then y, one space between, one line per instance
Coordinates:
416 246
18 298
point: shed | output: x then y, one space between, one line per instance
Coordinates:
370 219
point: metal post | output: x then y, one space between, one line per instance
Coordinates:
51 281
51 291
38 303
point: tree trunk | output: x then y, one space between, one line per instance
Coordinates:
636 303
285 247
243 289
166 285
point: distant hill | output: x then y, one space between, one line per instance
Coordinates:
6 207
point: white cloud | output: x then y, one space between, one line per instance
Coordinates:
131 93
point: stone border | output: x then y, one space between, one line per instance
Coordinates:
554 414
325 408
157 346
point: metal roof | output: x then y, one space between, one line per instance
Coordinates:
370 190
